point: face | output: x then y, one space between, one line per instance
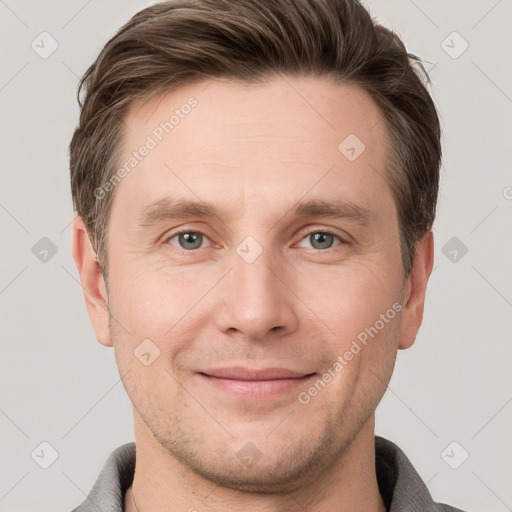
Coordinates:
255 275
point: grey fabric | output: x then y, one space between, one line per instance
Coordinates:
400 485
107 494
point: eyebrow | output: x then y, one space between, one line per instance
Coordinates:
176 208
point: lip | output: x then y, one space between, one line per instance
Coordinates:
253 374
255 383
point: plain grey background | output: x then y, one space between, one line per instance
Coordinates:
60 386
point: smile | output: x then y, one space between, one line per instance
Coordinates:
256 384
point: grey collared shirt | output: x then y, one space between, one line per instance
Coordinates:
401 487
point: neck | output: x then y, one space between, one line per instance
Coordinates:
350 484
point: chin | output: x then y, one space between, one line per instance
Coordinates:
267 479
282 466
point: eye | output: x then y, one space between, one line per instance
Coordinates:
322 239
188 240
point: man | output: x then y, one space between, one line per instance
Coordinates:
255 184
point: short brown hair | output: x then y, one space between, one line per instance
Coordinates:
177 42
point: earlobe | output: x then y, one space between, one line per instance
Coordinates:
415 290
91 278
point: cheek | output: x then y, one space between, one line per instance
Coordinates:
359 307
152 300
352 299
163 305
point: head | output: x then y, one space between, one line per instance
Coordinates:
258 180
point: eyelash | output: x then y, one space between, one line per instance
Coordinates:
323 231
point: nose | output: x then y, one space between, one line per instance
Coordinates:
256 298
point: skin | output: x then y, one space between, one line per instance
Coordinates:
253 152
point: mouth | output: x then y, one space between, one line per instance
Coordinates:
255 383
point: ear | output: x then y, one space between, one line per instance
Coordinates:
93 284
415 290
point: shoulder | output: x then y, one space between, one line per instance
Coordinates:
447 508
113 481
400 485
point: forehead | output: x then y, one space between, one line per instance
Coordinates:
290 136
286 106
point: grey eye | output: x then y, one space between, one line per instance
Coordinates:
188 240
320 240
